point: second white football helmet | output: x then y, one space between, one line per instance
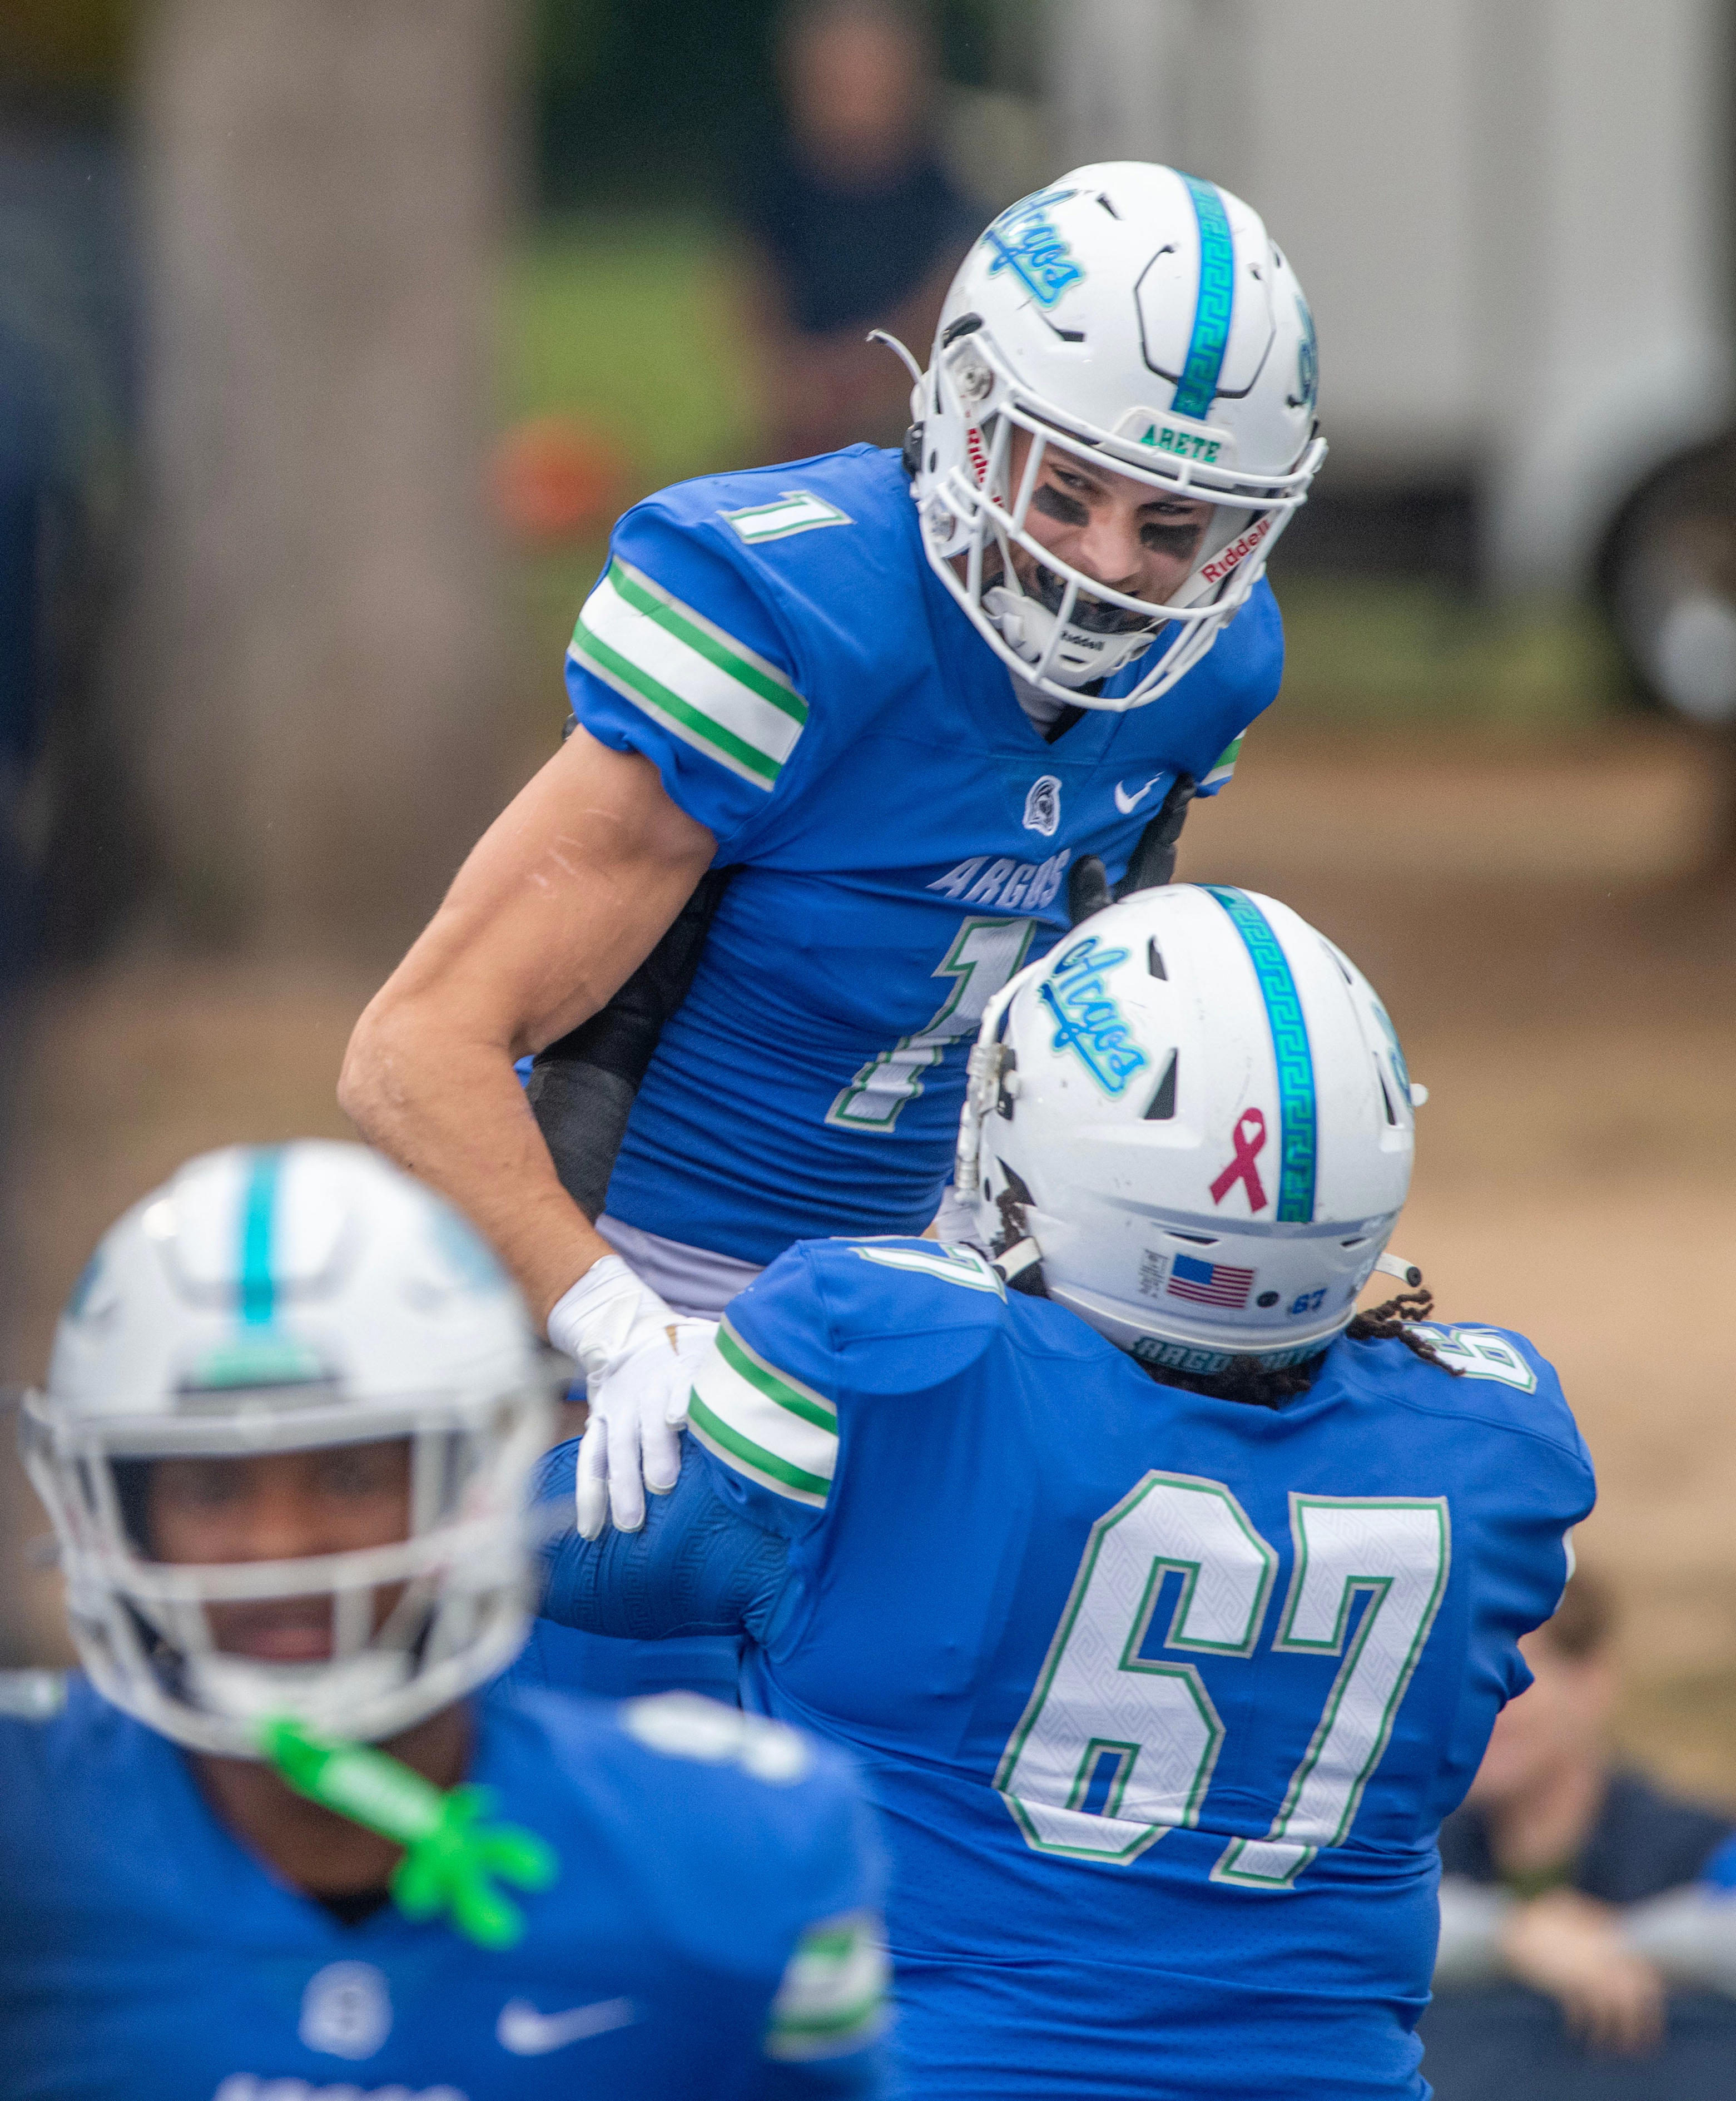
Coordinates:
277 1300
1196 1108
1142 320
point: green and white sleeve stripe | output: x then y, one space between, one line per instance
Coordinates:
834 1996
767 1425
1225 763
704 686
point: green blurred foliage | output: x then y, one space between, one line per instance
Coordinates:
1357 649
620 318
621 321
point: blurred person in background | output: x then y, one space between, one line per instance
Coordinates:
851 222
290 1414
1588 1940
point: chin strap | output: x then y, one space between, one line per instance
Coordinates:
451 1859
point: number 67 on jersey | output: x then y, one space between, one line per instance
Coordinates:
1115 1748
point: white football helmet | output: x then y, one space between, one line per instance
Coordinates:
1142 320
1196 1109
275 1300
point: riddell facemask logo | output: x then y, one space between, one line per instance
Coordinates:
1220 566
978 457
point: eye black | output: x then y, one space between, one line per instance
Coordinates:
1055 503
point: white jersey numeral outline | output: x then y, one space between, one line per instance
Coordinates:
985 954
1097 1698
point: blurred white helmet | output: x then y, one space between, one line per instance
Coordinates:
276 1300
1142 320
1197 1110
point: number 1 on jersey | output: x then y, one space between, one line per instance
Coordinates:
1098 1698
985 955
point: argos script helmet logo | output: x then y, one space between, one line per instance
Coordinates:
1089 1020
1043 806
1025 240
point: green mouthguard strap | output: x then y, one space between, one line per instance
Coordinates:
452 1860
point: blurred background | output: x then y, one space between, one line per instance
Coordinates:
334 332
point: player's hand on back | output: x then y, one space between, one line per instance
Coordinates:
638 1356
1571 1946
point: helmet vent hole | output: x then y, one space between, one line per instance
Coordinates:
1155 961
1107 205
1194 1240
966 324
1392 1114
1164 1101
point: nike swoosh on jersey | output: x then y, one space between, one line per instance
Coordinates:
1126 803
527 2033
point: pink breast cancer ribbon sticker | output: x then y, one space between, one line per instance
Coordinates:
1250 1137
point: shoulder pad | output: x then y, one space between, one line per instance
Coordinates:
1501 1377
829 1322
904 1315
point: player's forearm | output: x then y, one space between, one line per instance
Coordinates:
451 1111
560 901
698 1566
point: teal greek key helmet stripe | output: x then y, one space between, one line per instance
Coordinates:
258 1206
1212 305
1298 1138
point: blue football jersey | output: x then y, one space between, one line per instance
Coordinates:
713 1931
1163 1697
776 643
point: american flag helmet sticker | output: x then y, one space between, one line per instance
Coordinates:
1209 1283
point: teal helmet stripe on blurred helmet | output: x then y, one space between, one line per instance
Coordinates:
258 1291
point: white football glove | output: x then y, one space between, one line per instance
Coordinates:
639 1357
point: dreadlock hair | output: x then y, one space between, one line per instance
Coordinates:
1247 1380
1244 1379
1391 1322
1014 1251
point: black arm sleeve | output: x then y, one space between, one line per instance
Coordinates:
1149 866
581 1089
